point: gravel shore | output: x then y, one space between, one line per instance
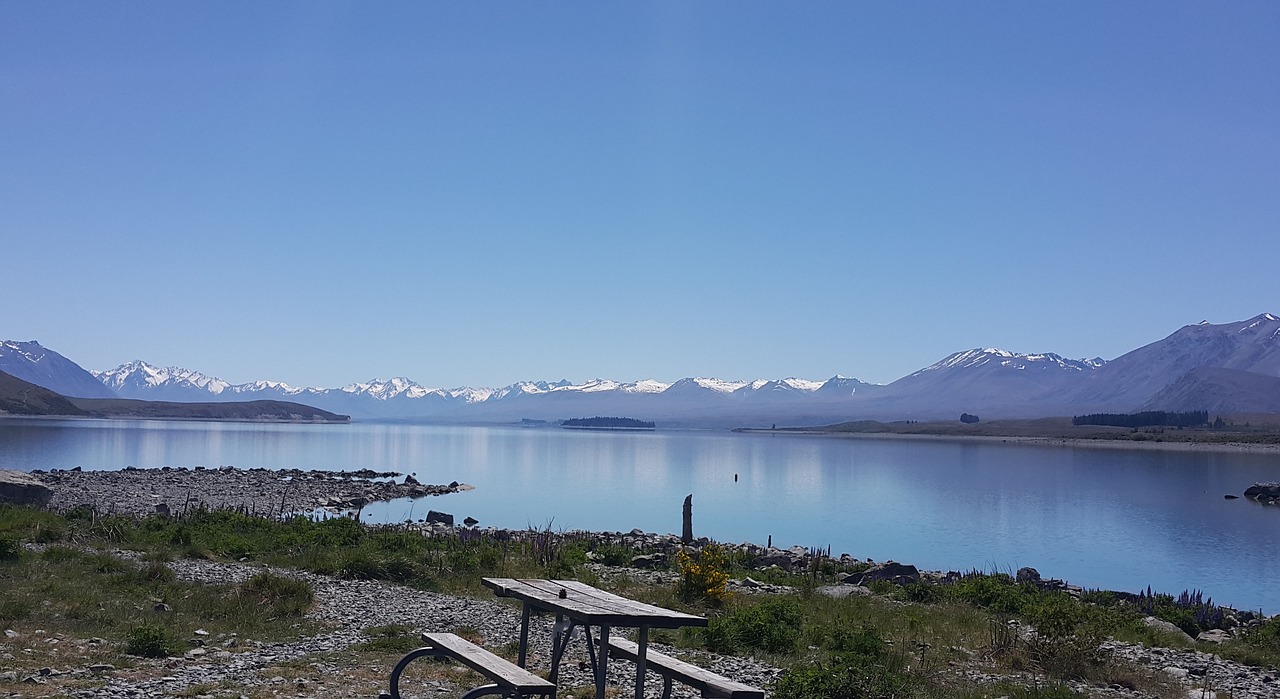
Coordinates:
256 490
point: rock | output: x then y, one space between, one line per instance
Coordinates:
1027 574
650 561
471 521
1230 497
1263 492
774 558
101 667
410 480
18 488
899 573
1214 636
434 517
10 633
842 591
1166 627
162 607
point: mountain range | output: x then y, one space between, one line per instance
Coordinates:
1224 368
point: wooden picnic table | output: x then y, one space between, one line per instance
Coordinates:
579 604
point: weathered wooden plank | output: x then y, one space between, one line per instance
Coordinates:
626 605
590 605
705 681
498 669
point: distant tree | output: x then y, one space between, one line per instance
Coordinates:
1150 418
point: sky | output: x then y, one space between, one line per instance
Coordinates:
484 193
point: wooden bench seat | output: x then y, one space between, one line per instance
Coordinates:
710 684
509 679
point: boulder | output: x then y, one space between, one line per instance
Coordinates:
842 591
1027 574
774 558
18 488
1264 492
899 573
434 517
649 562
1166 627
1214 636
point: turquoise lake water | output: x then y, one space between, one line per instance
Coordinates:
1111 518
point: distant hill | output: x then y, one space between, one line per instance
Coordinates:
254 410
1220 391
18 397
44 367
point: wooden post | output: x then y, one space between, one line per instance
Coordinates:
686 533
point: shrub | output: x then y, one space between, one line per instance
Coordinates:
862 664
10 549
997 592
773 626
704 577
1266 636
1068 636
1188 611
284 596
150 641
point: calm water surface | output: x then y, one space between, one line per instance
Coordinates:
1117 519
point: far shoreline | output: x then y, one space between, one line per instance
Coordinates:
1072 442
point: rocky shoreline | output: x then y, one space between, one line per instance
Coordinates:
139 491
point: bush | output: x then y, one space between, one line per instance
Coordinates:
10 549
703 577
773 626
997 592
1266 636
150 641
1069 636
862 665
284 596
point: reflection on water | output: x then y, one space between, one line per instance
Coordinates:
1120 519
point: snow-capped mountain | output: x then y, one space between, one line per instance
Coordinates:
700 400
143 381
1134 379
44 367
988 381
1232 367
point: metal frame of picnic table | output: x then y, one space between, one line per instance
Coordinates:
578 604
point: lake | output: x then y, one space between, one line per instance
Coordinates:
1118 519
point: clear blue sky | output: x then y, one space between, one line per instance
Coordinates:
480 193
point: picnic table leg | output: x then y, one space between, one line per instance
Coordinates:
524 635
643 646
604 661
559 644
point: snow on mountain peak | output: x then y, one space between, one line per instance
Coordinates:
138 373
979 357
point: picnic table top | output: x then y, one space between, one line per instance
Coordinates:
589 605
